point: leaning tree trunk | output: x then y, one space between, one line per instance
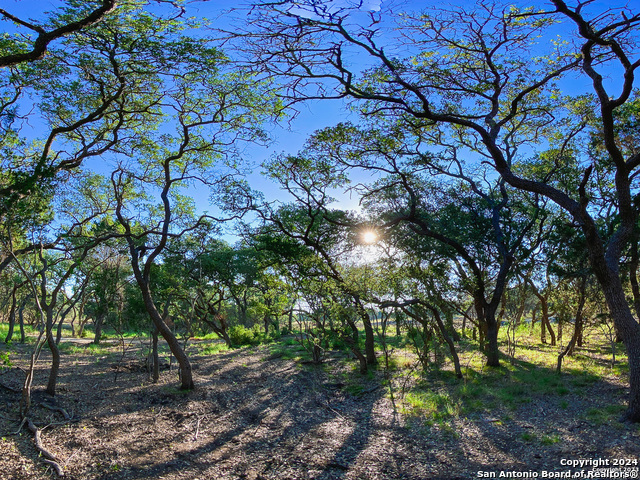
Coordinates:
447 338
186 375
630 331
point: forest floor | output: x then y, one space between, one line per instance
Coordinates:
260 413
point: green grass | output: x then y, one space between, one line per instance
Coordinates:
437 396
528 437
110 334
4 329
433 407
208 336
609 414
5 360
289 349
354 388
71 348
212 348
171 390
550 439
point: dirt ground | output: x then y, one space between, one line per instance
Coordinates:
255 416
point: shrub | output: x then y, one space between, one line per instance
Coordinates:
241 335
4 361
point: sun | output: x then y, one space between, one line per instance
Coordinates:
369 237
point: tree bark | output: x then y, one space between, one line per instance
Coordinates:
155 368
533 317
186 375
23 337
55 354
545 324
630 330
560 322
633 273
449 340
491 350
369 337
12 317
98 326
455 336
362 360
488 329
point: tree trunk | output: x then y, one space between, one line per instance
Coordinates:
580 341
356 351
267 321
578 326
630 331
98 324
369 337
449 340
633 273
55 354
491 350
545 324
155 368
21 320
482 324
186 375
488 329
619 338
455 336
12 317
560 322
59 330
533 317
82 320
521 309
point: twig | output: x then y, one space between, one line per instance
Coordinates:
66 462
258 426
195 437
330 408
